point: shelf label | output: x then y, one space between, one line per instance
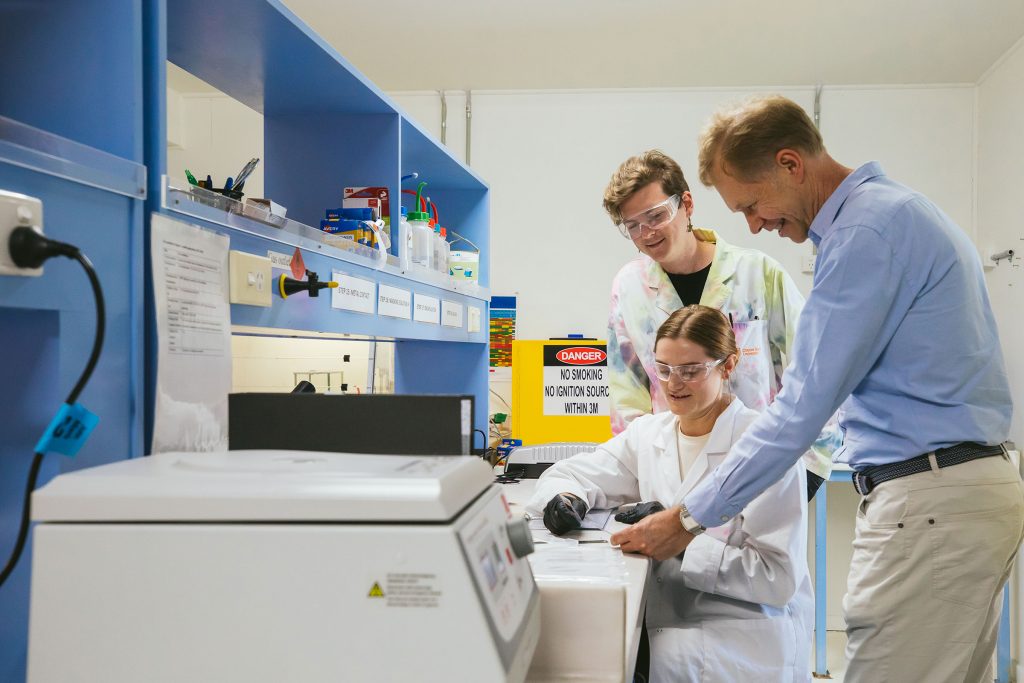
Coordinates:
353 293
452 314
427 309
279 260
394 302
474 319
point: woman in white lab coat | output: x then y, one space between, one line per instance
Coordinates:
737 605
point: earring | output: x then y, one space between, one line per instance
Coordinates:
689 224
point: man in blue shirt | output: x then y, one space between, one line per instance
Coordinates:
897 334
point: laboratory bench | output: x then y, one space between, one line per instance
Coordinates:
592 599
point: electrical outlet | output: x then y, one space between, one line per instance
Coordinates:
16 211
251 281
807 264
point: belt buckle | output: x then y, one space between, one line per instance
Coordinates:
862 483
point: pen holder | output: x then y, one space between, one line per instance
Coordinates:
233 193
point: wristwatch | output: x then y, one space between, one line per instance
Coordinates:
689 523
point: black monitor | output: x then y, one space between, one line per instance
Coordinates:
352 423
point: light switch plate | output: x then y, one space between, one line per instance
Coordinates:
251 280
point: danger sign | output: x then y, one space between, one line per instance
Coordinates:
576 380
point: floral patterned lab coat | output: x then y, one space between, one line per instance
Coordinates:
747 285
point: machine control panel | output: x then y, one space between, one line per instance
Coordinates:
498 561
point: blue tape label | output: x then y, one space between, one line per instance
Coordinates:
68 430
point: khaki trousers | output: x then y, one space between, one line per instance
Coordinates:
931 555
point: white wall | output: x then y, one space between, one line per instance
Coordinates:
1000 181
213 134
1000 185
549 155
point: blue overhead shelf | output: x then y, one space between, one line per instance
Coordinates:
420 152
264 56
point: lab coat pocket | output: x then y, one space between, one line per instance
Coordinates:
760 650
753 381
677 654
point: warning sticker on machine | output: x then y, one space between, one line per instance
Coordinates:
412 590
576 380
375 591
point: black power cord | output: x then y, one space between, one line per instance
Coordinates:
29 249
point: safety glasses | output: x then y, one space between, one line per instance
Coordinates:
691 372
654 218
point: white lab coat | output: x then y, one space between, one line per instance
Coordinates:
737 605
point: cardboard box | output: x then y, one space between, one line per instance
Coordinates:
372 197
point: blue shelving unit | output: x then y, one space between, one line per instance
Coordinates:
326 127
83 127
71 134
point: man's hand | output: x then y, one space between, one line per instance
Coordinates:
659 536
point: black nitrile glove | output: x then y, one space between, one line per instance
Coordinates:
638 512
564 513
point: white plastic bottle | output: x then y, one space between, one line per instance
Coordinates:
404 242
422 239
439 263
446 253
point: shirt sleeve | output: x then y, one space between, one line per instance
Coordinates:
765 558
840 335
785 306
628 384
604 478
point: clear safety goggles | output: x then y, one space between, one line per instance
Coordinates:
691 372
654 218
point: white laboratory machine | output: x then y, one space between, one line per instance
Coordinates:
270 566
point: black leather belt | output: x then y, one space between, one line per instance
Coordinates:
867 479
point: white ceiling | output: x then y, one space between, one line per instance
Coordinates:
567 44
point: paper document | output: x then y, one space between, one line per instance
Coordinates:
193 326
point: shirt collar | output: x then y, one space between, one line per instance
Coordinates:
822 223
722 434
723 266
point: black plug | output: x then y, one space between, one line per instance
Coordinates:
29 249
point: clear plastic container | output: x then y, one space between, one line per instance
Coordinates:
422 239
446 253
404 250
439 262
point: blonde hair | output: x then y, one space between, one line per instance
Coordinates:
706 327
638 172
743 141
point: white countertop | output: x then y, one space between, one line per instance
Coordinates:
590 624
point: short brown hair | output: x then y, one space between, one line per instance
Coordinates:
638 172
744 140
705 326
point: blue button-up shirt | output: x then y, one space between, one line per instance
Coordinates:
898 332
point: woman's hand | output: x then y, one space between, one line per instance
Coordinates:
635 513
564 513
